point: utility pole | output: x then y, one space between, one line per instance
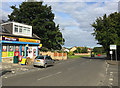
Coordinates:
62 46
116 54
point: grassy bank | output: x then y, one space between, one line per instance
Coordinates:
78 56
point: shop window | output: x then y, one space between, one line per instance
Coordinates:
16 28
30 50
16 48
23 50
4 48
10 48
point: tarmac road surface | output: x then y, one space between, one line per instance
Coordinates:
73 72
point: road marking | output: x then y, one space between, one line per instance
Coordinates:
111 83
49 76
111 79
111 72
5 77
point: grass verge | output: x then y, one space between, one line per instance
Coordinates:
78 56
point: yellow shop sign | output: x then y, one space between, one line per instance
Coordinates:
29 40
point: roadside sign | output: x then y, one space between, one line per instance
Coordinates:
27 45
40 45
111 52
113 47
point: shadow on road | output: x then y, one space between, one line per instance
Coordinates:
42 66
4 72
98 57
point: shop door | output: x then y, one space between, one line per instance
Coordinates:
34 52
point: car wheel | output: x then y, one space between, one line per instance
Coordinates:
45 66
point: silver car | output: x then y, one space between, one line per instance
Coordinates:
43 61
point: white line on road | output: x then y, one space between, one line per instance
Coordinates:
49 76
111 79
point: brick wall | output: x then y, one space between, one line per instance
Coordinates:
55 55
82 53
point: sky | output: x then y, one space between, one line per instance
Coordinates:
74 16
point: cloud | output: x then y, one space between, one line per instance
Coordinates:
79 0
13 1
76 37
81 15
4 15
75 16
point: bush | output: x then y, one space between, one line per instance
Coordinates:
70 53
44 49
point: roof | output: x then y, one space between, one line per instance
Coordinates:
7 34
4 31
14 22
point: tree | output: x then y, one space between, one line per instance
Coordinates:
70 53
84 50
98 50
79 49
107 30
40 17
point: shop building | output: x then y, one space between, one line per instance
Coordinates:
18 40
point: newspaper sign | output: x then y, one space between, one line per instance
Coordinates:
113 47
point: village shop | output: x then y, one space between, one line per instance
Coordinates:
19 44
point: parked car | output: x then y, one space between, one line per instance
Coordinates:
92 55
43 61
99 55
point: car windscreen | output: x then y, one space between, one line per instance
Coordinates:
39 57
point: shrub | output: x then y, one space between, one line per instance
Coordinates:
70 53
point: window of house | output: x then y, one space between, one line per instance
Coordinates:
24 30
20 29
28 31
16 28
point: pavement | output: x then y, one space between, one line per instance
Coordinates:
11 69
112 73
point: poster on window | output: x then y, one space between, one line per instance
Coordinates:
16 48
10 48
4 48
23 48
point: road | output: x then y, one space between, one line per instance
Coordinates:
73 72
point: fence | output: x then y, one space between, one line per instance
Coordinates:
82 53
55 55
